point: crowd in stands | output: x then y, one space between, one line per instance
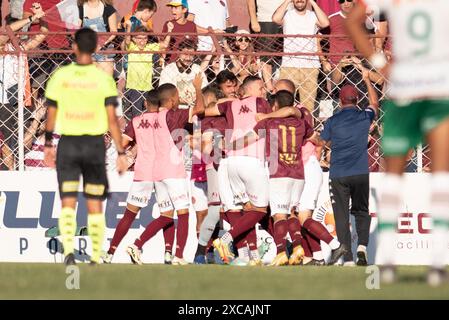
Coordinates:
319 62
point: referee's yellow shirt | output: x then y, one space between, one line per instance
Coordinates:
80 92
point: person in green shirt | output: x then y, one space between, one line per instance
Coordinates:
81 102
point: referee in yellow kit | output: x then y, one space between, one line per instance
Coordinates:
81 102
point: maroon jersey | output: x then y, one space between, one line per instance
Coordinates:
214 123
286 149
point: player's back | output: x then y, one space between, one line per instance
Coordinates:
285 137
420 49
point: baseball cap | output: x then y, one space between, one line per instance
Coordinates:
178 3
349 93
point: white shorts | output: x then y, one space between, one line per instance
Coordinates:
213 194
178 191
284 194
198 193
224 187
249 180
140 194
313 180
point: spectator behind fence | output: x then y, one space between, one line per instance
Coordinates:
53 20
261 22
179 10
244 65
6 156
208 13
343 44
42 65
140 16
34 140
182 72
302 70
139 75
347 132
10 73
100 16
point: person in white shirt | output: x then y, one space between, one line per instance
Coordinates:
208 13
182 72
296 19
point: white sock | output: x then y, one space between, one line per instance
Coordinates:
208 225
388 208
255 254
244 253
334 244
227 238
361 248
439 210
318 255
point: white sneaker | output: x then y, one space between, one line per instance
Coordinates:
134 254
179 262
168 258
106 257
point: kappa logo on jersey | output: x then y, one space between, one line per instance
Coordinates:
156 125
244 109
145 124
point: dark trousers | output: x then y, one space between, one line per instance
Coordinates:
341 190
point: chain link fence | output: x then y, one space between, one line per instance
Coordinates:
141 61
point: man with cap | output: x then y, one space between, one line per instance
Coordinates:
347 134
179 10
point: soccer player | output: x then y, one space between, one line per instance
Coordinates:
300 221
143 184
246 169
81 101
284 139
417 109
167 130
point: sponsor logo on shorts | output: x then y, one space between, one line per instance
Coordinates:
94 189
140 199
70 186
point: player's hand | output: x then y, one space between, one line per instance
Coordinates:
50 156
198 81
260 116
170 26
121 164
255 26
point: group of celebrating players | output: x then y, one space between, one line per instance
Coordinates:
253 162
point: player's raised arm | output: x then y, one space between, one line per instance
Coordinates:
354 26
199 101
281 113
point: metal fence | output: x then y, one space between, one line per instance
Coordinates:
25 71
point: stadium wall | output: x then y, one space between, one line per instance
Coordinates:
29 206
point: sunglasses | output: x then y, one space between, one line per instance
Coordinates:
343 1
243 40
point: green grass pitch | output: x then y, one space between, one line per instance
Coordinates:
122 281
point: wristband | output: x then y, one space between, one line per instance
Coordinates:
48 138
378 60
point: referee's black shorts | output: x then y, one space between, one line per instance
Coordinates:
86 156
